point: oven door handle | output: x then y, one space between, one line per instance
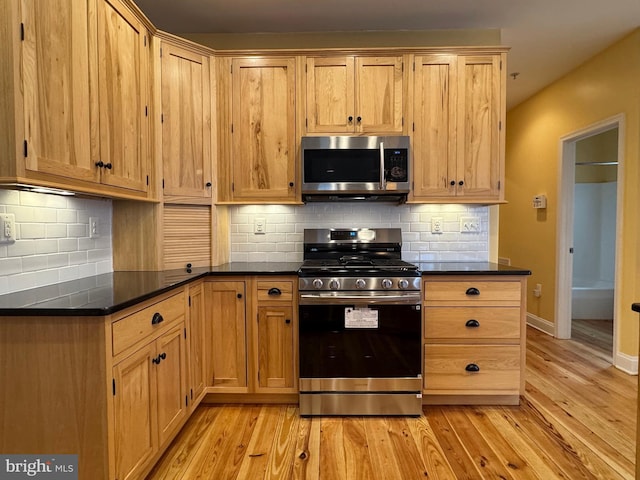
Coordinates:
342 299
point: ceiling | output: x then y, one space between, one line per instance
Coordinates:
548 38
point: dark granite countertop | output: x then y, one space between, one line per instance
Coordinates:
111 292
635 307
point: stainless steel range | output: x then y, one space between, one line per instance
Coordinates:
360 324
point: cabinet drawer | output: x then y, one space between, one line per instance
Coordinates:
466 323
144 323
450 368
284 287
472 292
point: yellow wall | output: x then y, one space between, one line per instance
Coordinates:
605 86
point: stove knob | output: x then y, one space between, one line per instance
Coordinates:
317 284
404 283
334 284
360 283
387 283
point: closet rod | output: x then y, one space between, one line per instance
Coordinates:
597 163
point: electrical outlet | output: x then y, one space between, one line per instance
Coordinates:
469 225
93 227
436 225
537 292
7 228
259 225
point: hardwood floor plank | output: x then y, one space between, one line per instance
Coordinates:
307 462
406 450
258 453
344 449
430 450
280 464
381 452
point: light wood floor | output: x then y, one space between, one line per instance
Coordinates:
597 334
576 421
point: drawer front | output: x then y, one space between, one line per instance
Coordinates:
284 287
467 323
451 368
473 292
146 322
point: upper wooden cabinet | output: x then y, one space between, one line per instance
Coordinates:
186 123
258 157
75 80
458 138
349 94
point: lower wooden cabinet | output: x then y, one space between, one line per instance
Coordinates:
197 343
474 339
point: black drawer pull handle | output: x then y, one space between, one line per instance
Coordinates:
156 319
472 367
473 323
287 321
472 291
274 291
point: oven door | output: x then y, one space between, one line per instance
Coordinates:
359 356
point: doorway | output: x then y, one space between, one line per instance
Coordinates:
588 235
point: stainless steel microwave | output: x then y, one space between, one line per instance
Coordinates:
341 166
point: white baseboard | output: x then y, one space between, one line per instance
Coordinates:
541 324
624 362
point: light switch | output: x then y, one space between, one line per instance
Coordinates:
469 225
7 228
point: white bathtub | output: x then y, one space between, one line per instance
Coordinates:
592 301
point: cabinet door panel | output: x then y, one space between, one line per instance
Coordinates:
197 341
172 381
434 146
58 113
135 413
226 334
330 95
478 128
379 99
122 67
186 124
264 146
275 347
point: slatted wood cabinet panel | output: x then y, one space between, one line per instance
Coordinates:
354 94
474 339
458 130
187 234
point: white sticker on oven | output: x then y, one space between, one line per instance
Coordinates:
360 318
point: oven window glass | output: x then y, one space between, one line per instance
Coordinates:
329 350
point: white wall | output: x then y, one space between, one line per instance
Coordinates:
285 226
53 243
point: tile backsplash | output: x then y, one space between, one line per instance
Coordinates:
52 239
284 227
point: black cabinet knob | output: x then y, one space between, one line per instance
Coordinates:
350 119
108 166
472 367
239 295
452 183
291 184
274 291
359 119
472 323
461 182
100 164
156 319
155 360
208 184
472 291
162 356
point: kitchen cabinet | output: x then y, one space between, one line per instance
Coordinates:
275 336
225 332
186 122
149 383
77 116
474 339
458 134
355 94
197 343
258 147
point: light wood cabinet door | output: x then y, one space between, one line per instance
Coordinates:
135 414
226 335
263 158
171 371
58 113
457 139
186 123
122 90
275 347
347 94
197 377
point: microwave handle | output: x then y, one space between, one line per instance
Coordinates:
382 179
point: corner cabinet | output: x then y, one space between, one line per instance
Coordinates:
474 339
186 122
76 82
346 94
257 138
458 128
